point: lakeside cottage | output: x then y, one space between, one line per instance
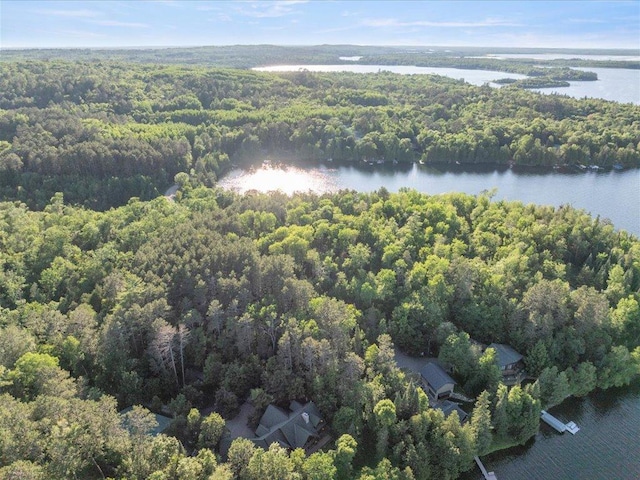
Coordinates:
438 384
510 362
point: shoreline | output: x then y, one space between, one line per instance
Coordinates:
284 159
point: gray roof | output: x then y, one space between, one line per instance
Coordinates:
506 355
289 430
436 376
449 407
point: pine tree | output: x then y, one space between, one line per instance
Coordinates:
481 423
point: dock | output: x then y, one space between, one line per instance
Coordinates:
560 427
487 475
572 428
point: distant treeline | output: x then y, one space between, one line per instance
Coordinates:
102 132
248 56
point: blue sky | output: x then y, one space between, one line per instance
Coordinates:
571 24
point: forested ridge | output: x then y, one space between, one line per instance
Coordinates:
215 298
102 132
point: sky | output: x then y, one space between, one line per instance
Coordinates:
542 24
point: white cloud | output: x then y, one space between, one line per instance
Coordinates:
585 20
80 34
265 9
68 13
392 22
166 3
115 23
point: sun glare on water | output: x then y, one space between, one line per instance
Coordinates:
286 179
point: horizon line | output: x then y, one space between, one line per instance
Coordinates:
151 47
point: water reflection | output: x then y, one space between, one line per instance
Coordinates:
613 195
284 178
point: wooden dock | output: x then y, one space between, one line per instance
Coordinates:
487 475
549 419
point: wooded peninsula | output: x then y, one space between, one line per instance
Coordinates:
202 305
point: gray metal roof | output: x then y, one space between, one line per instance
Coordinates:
436 376
506 355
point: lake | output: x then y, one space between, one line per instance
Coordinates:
616 84
606 447
613 194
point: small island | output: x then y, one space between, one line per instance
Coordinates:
533 82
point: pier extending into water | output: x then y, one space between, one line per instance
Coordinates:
487 475
549 419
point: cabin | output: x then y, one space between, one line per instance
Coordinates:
438 384
448 407
510 362
297 428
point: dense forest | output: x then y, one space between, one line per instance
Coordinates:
249 56
103 132
216 298
112 296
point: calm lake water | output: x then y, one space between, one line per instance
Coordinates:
614 194
617 84
606 447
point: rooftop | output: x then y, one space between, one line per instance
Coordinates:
506 354
436 376
288 429
449 407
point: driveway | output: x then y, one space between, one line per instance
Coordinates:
238 425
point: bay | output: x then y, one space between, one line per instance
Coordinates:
613 195
615 84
